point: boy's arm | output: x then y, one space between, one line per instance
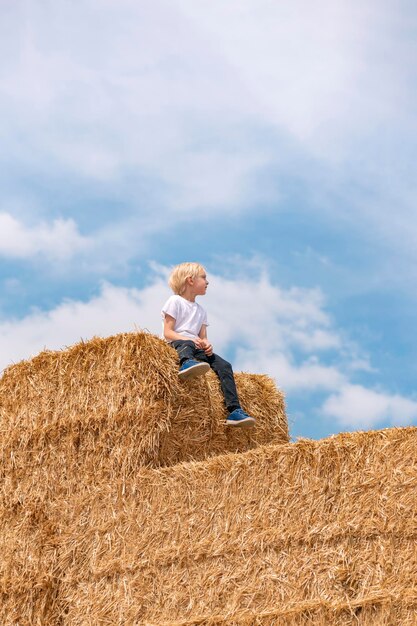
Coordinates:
169 332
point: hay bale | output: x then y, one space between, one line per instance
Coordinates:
198 430
313 532
95 414
109 406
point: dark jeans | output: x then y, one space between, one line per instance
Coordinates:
188 350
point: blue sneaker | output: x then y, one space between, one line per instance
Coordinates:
238 417
191 369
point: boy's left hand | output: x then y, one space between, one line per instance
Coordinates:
208 349
203 344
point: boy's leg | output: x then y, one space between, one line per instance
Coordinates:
224 371
192 360
186 349
191 364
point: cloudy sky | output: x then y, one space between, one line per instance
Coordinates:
274 142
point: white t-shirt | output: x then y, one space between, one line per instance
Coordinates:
189 316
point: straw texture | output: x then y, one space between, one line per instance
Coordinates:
109 406
313 532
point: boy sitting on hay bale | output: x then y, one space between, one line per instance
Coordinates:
185 328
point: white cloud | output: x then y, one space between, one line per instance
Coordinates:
299 62
182 110
250 317
356 406
177 90
131 95
58 240
290 376
214 179
266 316
114 310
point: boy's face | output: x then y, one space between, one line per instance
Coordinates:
200 283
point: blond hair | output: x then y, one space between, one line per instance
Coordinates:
180 273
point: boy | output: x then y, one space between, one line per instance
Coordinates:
185 328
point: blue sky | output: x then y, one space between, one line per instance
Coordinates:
273 142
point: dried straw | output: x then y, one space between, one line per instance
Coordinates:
109 406
313 532
94 415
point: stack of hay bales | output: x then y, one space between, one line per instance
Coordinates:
280 534
315 532
95 415
110 406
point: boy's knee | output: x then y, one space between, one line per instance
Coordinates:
185 349
222 363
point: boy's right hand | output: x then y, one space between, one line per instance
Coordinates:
204 344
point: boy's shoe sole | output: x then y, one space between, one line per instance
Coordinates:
248 422
195 370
